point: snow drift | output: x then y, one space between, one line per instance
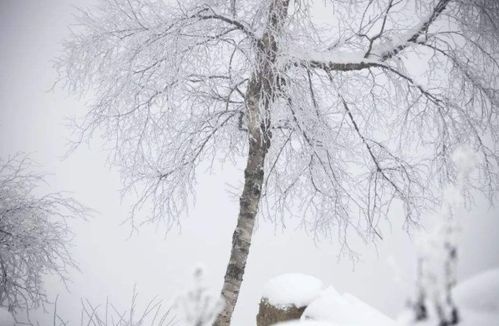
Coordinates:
292 289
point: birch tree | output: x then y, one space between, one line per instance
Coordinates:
34 236
340 107
438 261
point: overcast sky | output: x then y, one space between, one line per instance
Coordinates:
32 120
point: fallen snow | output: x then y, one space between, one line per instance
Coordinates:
467 318
480 293
303 323
345 309
292 289
477 300
6 318
470 318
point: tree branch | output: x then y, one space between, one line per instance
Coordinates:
371 59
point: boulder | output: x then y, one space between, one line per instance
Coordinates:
286 296
269 314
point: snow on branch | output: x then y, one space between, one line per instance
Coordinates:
414 34
34 235
162 91
375 54
171 86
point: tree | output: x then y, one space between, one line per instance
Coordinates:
338 118
438 261
34 236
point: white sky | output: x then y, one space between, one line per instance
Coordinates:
32 120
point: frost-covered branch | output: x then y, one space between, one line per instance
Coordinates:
379 49
34 235
336 119
175 84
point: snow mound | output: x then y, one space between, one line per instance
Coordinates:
471 318
344 309
6 318
480 293
292 289
303 323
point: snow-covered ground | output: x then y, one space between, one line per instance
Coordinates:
480 292
304 323
476 297
324 306
344 309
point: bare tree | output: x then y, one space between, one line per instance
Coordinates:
34 236
339 117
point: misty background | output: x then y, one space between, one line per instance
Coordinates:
33 120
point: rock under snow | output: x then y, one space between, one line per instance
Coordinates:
345 309
269 315
479 293
6 318
292 290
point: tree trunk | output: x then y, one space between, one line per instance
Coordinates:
259 96
241 239
259 142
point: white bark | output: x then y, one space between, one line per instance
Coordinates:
262 89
